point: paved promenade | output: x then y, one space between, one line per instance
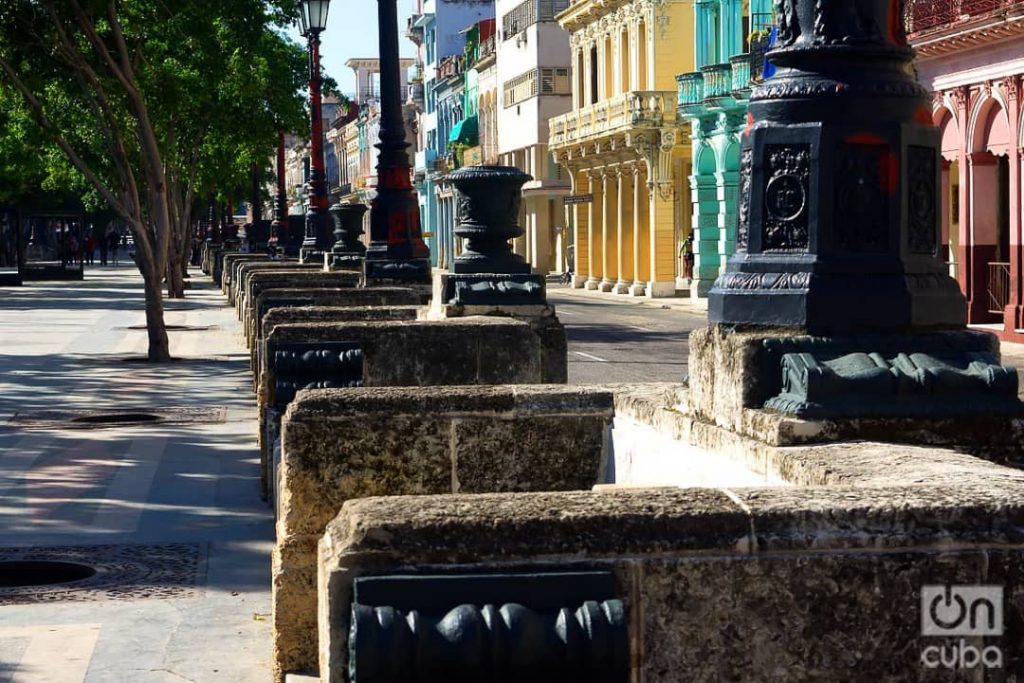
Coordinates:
167 513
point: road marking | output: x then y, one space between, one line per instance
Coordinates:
642 329
564 312
587 355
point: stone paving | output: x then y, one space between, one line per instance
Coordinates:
168 512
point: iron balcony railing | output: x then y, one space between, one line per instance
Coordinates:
998 287
717 80
926 15
691 88
740 65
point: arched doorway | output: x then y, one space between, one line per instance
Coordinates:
990 204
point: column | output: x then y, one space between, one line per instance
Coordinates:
984 233
595 212
542 261
640 238
726 187
662 240
706 233
625 231
1015 309
580 265
608 263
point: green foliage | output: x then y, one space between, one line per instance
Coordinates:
218 78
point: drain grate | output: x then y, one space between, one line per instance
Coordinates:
102 572
92 419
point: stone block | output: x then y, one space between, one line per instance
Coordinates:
258 282
759 584
343 444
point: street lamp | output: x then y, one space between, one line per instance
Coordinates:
397 250
312 21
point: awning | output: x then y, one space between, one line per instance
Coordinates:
465 132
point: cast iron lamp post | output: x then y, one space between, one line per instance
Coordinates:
313 21
397 250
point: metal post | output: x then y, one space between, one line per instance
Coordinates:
317 211
397 250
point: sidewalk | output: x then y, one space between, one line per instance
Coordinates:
167 514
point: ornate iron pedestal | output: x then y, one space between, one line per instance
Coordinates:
838 229
348 251
488 272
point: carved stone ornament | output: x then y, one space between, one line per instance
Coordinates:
743 213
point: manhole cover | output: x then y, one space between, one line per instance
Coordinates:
102 572
22 573
117 419
65 419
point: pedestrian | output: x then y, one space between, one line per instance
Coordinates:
113 242
90 249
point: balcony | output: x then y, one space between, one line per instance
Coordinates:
449 67
740 65
717 80
931 15
691 89
487 49
620 114
714 88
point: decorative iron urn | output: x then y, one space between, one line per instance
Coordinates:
348 226
487 217
838 223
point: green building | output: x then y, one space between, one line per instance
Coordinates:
731 36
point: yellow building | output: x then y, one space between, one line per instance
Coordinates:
627 158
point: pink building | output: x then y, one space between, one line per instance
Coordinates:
970 53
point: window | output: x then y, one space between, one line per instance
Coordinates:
543 81
528 13
555 81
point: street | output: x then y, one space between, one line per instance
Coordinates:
622 339
639 340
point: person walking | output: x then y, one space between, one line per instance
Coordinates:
90 249
113 242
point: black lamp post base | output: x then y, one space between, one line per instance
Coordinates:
343 261
484 289
307 256
396 272
832 303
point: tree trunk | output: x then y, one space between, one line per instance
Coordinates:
175 282
159 345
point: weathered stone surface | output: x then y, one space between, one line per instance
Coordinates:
428 353
342 444
839 617
732 376
297 315
488 460
334 297
233 259
746 584
240 284
260 282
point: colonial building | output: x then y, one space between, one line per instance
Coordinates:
713 101
533 69
970 53
437 28
628 161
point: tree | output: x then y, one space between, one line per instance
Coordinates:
142 100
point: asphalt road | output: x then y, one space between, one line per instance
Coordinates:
623 341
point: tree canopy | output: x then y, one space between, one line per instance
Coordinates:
149 104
